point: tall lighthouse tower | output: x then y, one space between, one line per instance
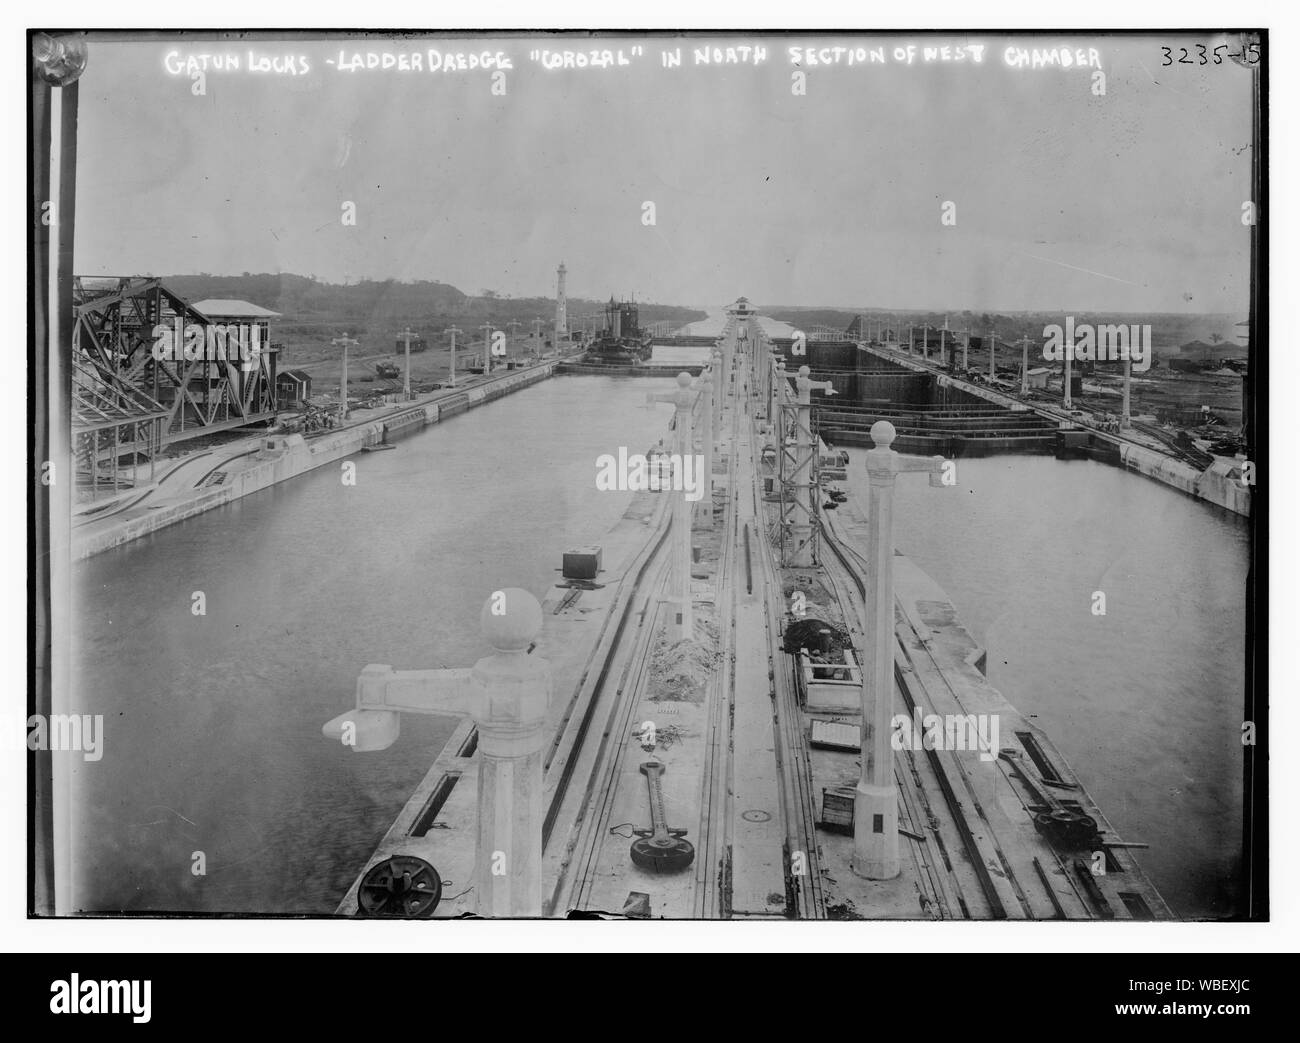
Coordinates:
561 307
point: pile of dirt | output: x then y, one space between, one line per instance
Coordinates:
679 670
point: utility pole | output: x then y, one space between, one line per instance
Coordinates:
965 352
993 354
1024 367
514 328
487 348
343 383
706 407
407 336
451 379
1069 353
875 807
537 336
1125 420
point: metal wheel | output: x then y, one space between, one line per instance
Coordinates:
403 886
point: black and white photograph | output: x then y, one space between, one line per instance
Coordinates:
668 475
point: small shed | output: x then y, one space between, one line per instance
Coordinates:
292 388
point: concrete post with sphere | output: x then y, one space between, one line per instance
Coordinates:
507 694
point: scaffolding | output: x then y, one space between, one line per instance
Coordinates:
129 400
111 422
798 482
112 345
830 334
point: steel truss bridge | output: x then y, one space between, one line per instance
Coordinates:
126 403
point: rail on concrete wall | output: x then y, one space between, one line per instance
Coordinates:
295 457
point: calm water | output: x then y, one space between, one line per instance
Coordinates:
1146 701
212 723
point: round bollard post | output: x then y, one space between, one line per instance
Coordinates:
778 399
514 692
875 808
803 470
716 367
681 522
708 394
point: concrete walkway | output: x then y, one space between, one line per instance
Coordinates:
757 821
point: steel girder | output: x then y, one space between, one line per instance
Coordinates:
113 350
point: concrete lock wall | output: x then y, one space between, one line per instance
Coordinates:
1225 490
292 457
1160 467
898 387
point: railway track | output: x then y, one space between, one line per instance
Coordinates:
945 773
614 743
929 769
598 844
713 863
598 851
602 700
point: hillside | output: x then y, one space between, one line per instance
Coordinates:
308 306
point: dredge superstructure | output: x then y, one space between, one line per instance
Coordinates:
622 341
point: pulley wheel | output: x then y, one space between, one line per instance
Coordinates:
403 886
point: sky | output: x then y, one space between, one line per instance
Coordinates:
1063 199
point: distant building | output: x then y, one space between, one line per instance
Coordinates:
1199 351
1037 378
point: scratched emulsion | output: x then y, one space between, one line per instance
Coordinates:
212 723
